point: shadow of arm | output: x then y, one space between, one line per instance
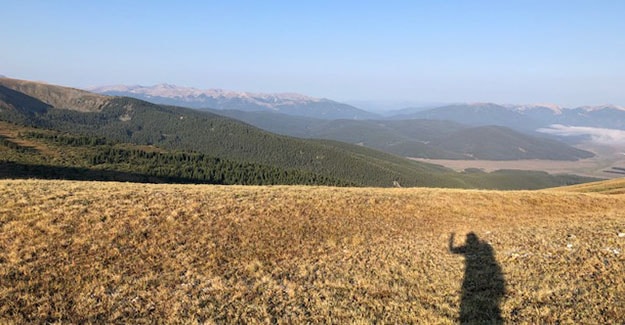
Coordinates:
455 250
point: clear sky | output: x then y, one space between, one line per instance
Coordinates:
564 52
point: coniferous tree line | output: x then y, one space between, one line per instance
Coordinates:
183 167
68 140
201 168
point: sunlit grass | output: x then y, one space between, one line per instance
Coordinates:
614 186
118 252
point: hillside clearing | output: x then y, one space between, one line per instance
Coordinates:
120 252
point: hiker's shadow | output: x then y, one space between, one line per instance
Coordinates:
483 286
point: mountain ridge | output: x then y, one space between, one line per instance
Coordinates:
556 108
524 118
58 96
134 121
176 128
287 103
170 90
418 138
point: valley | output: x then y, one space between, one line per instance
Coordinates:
601 165
201 139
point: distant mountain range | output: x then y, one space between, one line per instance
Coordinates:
418 138
135 121
310 117
286 103
526 118
247 149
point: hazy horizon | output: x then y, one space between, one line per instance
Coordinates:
561 52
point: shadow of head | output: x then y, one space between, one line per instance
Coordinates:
472 239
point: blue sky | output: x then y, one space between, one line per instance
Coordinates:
564 52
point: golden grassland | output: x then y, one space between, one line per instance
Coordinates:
119 252
614 186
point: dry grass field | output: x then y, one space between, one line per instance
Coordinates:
89 252
614 186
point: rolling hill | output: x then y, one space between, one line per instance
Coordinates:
418 138
477 114
54 96
28 152
613 186
125 119
107 252
46 154
131 120
524 118
500 143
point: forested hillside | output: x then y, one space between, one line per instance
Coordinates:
418 138
180 129
37 153
175 128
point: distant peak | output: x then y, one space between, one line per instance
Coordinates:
549 105
165 85
602 107
476 104
101 89
169 90
479 106
556 109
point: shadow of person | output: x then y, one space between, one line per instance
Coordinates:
483 286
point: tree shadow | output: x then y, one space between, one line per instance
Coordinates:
13 170
483 286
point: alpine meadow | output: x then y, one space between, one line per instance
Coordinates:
403 162
106 252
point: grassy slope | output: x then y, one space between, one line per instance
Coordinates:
55 96
118 252
614 186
